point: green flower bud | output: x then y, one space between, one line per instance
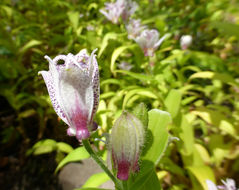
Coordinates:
127 139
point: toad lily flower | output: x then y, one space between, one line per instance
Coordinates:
74 91
229 184
149 41
129 8
134 28
124 8
127 139
114 11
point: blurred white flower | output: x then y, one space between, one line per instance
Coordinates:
90 28
134 28
113 11
185 41
124 8
149 41
129 8
211 185
125 66
229 184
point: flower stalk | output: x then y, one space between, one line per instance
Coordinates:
100 162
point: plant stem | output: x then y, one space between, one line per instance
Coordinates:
100 162
125 185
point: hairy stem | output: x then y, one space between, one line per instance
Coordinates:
100 162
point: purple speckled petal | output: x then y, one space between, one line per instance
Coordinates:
52 93
94 72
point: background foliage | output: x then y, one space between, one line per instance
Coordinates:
198 86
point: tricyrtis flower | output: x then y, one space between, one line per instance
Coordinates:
74 90
124 8
229 184
129 8
113 11
149 41
185 41
125 66
134 28
127 139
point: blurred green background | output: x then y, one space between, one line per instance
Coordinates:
198 86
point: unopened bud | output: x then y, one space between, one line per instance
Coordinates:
127 139
186 41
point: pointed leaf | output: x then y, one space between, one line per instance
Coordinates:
115 55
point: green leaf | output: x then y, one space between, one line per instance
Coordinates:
219 148
74 156
186 134
9 10
96 180
215 76
142 77
146 179
74 19
27 113
158 122
217 119
140 91
227 28
116 54
105 42
202 152
111 81
173 101
43 147
29 45
201 173
63 147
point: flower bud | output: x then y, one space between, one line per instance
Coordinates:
127 139
185 41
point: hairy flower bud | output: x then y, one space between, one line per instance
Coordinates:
127 139
74 91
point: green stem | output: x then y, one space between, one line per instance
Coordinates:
100 162
125 185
